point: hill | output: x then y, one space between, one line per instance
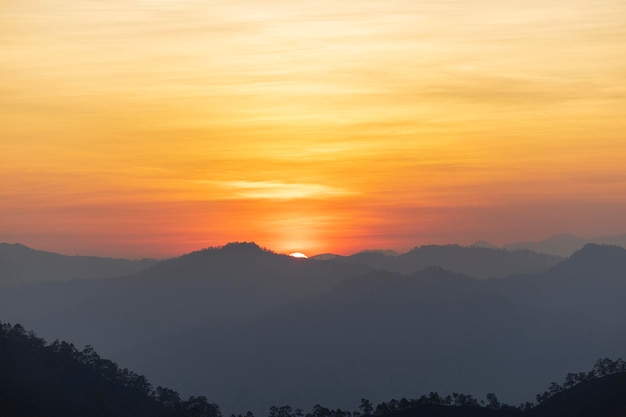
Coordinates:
57 380
333 331
566 244
22 265
599 393
202 288
384 334
598 397
476 261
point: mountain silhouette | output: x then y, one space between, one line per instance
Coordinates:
333 331
598 394
57 380
383 334
480 262
484 244
593 259
566 244
22 265
602 397
205 287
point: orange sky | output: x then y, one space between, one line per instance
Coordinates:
156 127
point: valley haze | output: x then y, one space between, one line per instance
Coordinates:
250 328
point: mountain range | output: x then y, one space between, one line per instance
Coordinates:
250 328
22 265
559 245
479 262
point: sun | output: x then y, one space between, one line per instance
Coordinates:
298 255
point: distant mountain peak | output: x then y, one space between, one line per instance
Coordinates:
483 244
24 265
244 246
594 260
565 244
384 252
15 246
599 251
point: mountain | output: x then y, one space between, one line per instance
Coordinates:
476 261
384 334
57 380
601 397
561 245
228 320
600 260
202 288
483 244
598 393
565 244
22 265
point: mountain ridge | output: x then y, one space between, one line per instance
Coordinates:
387 323
480 262
21 264
379 333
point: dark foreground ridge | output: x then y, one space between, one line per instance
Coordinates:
50 380
57 380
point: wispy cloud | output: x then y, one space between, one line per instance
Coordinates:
268 190
219 112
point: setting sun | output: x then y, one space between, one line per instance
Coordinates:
298 255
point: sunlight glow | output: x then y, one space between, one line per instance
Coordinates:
157 127
298 255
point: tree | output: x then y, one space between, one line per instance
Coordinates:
492 401
200 407
319 411
607 366
526 407
140 383
167 397
90 356
366 407
382 409
435 398
17 332
284 411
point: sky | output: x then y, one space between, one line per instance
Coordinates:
157 127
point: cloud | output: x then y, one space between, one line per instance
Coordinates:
278 190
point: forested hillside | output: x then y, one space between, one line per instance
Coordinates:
58 380
236 317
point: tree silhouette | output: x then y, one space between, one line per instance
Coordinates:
492 401
366 407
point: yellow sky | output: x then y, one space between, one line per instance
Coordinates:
156 127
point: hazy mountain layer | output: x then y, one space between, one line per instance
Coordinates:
22 265
198 289
479 262
383 334
563 244
254 328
